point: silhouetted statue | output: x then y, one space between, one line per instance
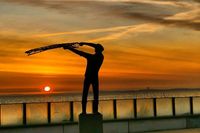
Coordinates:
94 62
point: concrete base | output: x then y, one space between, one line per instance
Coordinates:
90 123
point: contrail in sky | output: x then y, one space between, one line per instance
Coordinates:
116 32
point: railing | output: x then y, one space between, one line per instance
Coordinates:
20 114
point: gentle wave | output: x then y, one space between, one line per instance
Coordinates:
105 95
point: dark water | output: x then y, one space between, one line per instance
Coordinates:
104 95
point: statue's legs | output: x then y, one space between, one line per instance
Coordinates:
85 94
95 85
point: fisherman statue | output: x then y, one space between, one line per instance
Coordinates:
94 62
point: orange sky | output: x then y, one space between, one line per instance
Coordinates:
148 43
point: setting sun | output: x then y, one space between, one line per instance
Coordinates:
47 88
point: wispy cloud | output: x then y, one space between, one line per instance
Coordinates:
166 21
110 29
193 14
184 14
135 29
115 32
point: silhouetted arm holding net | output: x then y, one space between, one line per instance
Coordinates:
98 47
78 52
88 44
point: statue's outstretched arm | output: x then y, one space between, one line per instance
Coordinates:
78 52
88 44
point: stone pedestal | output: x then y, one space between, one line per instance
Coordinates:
90 123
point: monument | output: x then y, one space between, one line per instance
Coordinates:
88 123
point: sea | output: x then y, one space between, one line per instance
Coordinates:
104 95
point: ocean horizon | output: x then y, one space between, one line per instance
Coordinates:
104 95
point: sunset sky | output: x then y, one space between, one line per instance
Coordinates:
148 43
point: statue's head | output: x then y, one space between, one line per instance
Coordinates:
99 48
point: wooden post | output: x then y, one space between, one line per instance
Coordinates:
0 114
135 107
154 107
191 106
115 108
173 106
71 111
24 114
49 112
